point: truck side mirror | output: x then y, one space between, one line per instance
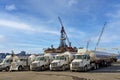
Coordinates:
88 57
65 59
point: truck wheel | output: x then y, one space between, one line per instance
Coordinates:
7 68
20 68
42 68
109 63
29 68
63 68
85 68
105 64
72 70
97 66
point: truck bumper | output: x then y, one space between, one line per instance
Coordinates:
36 68
2 69
76 68
56 68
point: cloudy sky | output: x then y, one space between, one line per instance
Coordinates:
32 25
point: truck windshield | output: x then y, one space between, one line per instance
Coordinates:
57 57
39 58
47 57
60 58
9 61
80 56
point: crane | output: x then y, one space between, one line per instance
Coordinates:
100 36
62 47
63 36
88 42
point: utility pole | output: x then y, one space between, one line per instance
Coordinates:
100 36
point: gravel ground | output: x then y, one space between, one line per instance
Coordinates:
66 75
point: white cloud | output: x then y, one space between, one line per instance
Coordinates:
115 15
75 32
72 2
1 37
10 7
13 24
27 45
45 29
27 27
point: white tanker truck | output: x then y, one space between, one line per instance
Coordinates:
62 61
22 63
42 62
85 61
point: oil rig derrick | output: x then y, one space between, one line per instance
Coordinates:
62 46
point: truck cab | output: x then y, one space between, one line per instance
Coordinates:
80 63
5 64
42 62
61 61
16 64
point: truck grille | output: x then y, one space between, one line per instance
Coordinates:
75 64
34 65
53 64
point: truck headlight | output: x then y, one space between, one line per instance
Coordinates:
81 61
58 63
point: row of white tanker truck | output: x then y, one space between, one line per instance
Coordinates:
75 61
57 61
81 61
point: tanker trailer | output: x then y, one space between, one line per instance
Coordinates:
85 61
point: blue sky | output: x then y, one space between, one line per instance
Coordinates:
32 25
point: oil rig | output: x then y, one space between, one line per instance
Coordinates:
63 46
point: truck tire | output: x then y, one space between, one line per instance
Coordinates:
20 68
97 66
93 66
72 70
85 68
109 63
7 68
105 64
63 68
42 68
